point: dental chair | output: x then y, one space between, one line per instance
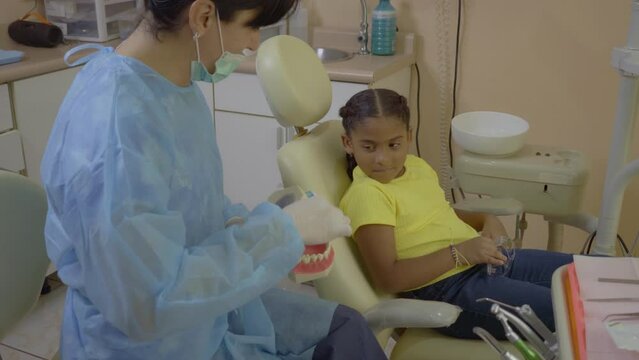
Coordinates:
23 258
299 93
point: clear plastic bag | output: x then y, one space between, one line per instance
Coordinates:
507 246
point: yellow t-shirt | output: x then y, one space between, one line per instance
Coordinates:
414 204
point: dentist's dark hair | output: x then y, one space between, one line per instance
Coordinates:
168 15
372 103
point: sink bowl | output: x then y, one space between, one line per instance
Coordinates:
327 55
489 133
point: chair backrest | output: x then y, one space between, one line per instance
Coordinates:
317 162
23 257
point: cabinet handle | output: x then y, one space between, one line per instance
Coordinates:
284 135
289 133
280 137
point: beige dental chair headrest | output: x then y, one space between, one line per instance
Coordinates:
294 81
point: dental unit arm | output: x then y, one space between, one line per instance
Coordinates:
550 339
618 173
537 349
494 343
511 335
550 343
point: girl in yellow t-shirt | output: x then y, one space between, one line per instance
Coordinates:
411 239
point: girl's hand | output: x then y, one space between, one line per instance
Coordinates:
493 228
481 250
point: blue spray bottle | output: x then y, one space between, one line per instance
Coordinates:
384 29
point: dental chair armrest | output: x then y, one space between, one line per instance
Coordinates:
494 206
409 313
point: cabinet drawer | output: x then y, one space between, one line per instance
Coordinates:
11 151
241 93
342 91
36 102
249 157
6 119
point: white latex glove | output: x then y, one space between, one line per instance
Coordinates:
317 221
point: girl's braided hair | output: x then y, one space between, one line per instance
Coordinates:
372 103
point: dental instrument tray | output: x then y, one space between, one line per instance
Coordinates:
546 180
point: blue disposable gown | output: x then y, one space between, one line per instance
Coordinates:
136 228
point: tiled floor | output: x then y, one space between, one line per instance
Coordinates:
37 336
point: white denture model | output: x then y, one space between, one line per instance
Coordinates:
317 259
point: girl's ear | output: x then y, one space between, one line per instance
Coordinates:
347 143
410 134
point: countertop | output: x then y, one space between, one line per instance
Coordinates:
359 69
36 61
363 69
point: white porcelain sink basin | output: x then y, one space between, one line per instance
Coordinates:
328 55
489 133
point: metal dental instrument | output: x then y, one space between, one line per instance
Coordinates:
527 313
511 335
620 299
619 281
544 352
490 340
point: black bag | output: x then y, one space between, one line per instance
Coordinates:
35 33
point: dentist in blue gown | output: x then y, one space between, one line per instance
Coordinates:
159 264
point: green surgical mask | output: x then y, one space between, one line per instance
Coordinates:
224 66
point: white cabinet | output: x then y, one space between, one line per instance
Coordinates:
342 91
241 93
207 91
6 117
11 151
248 145
36 102
247 133
11 157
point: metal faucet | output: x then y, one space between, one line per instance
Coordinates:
363 30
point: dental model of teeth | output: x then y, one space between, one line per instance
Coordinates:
315 263
317 260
